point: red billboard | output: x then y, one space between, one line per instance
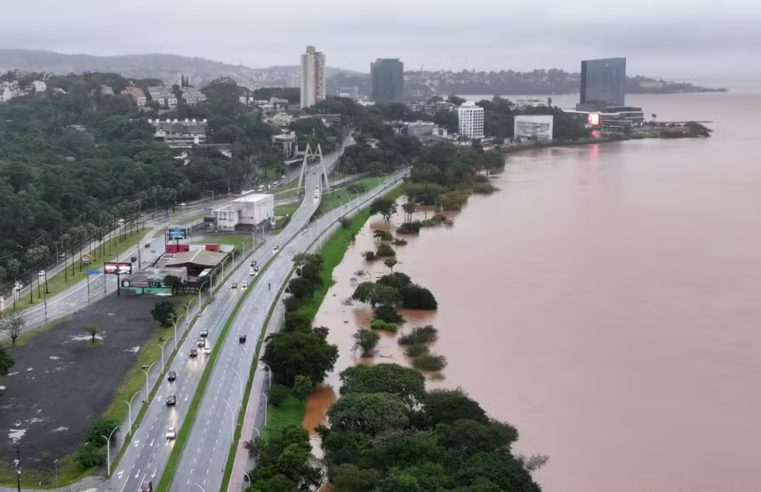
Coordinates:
117 268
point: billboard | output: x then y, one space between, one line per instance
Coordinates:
533 127
175 233
117 268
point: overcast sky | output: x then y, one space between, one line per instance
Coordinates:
687 39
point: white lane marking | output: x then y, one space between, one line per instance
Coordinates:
119 474
137 473
137 442
152 441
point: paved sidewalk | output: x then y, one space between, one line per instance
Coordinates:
253 421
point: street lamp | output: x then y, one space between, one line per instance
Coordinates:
187 318
108 450
266 404
129 411
161 346
269 374
248 479
146 379
175 336
55 464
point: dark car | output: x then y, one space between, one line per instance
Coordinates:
235 286
193 353
201 342
171 400
171 376
242 338
204 333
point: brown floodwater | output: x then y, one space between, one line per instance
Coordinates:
607 302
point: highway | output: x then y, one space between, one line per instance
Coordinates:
149 449
205 455
76 297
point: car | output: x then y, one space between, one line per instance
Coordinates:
253 263
147 245
276 249
171 432
193 353
171 376
207 350
243 286
201 342
171 400
235 285
252 271
204 333
242 338
147 487
316 194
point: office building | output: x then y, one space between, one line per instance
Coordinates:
536 127
312 77
471 121
387 75
603 83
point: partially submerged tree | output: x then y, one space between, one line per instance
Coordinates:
92 329
12 324
164 312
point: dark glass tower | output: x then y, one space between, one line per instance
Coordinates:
603 83
387 76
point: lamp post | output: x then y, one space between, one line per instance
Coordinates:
161 346
129 411
146 379
269 374
175 336
187 318
108 450
17 464
248 479
55 464
266 404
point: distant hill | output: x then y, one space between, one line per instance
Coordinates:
418 84
161 66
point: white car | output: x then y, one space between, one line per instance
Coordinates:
207 349
171 432
252 271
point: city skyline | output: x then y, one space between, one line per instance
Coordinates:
487 36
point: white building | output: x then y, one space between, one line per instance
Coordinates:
312 77
471 120
165 97
193 96
533 127
6 94
249 210
178 134
39 86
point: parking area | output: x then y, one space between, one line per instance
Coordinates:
62 382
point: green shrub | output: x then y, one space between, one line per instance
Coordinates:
396 280
379 324
387 313
484 188
278 394
345 223
420 334
384 250
399 242
416 350
382 235
409 228
429 362
417 297
370 255
101 427
89 455
367 340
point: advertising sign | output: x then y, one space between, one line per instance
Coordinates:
117 268
177 233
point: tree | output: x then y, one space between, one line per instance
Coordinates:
302 386
251 446
101 427
367 340
447 406
301 288
406 383
371 293
409 207
89 455
12 324
384 249
384 206
6 361
287 453
278 394
396 280
370 413
290 353
92 329
417 297
390 263
350 478
173 282
164 312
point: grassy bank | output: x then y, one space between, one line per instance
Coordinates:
345 194
59 282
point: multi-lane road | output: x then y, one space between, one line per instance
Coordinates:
149 450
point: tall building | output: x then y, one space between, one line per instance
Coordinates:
387 76
312 77
471 120
603 83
